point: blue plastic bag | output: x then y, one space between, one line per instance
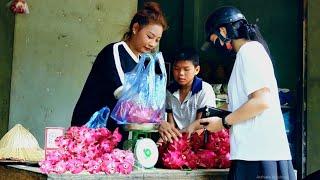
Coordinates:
99 118
144 92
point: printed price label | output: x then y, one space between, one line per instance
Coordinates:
51 133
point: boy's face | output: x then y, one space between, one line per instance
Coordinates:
184 72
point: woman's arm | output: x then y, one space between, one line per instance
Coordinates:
258 102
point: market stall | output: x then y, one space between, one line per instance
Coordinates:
29 172
18 164
92 151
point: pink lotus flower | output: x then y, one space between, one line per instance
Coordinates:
116 136
85 149
46 166
163 147
88 136
207 158
132 112
85 159
125 167
107 157
62 141
188 153
138 114
129 157
72 131
104 166
224 161
182 144
60 167
174 160
75 166
54 156
167 160
106 146
197 140
111 168
89 155
93 167
103 132
119 155
78 149
192 160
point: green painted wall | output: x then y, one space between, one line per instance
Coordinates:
278 21
270 16
171 38
313 86
54 48
6 44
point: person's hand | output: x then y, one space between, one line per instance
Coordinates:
190 129
212 124
159 142
168 132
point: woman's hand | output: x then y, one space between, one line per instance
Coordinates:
168 132
212 124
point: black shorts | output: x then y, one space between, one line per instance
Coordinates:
269 170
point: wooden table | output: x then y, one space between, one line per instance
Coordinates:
22 172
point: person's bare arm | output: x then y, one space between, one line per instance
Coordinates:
167 130
170 119
258 102
194 125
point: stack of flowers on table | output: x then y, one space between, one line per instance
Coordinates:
194 153
84 149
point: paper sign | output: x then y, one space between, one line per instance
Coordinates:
51 133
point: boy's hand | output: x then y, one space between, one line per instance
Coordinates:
168 132
212 124
190 129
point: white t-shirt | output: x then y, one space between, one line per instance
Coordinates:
262 137
184 113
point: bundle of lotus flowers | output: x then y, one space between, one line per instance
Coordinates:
84 149
194 153
19 144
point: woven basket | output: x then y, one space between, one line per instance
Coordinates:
19 144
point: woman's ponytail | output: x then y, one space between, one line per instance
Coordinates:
251 32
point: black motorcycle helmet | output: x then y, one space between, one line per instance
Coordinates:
223 16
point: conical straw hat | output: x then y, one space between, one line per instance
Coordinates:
20 145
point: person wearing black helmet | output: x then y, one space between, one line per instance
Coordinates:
258 143
104 82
